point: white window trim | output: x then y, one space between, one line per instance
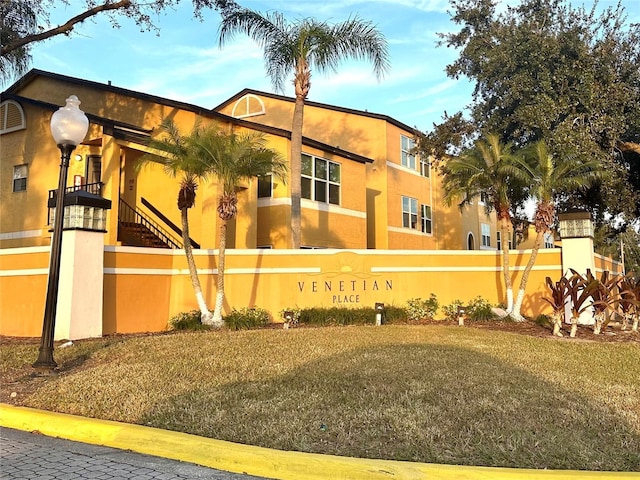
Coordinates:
244 103
307 204
423 218
428 164
25 177
326 180
548 241
270 185
412 201
411 142
3 121
486 236
404 169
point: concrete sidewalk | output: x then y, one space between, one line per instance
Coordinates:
25 455
259 461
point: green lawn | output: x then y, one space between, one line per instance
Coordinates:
424 393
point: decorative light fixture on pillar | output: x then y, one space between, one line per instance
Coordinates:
575 224
69 126
576 232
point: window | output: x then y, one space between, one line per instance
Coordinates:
548 240
484 198
409 212
320 180
425 167
248 106
11 117
486 235
499 240
265 186
425 217
20 178
407 159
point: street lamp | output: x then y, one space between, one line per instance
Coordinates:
69 126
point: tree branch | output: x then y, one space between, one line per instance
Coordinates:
66 28
629 147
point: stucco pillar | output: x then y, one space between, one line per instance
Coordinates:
80 290
576 231
79 313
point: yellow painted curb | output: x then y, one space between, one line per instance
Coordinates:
258 461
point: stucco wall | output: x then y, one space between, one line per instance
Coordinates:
144 288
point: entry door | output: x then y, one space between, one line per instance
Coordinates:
94 169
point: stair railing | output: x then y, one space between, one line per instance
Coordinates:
169 223
128 214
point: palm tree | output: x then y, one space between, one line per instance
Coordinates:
549 178
232 158
295 48
490 168
176 158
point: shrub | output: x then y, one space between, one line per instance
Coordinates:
337 316
322 316
544 321
451 311
418 309
479 309
246 318
393 314
187 321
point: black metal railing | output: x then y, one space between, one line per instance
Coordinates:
95 188
168 222
142 230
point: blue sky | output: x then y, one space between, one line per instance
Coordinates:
185 63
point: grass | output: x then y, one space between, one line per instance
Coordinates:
421 393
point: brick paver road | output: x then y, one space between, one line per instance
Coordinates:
25 455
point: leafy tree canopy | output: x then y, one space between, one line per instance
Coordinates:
544 70
25 22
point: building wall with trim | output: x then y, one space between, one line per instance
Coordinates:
145 287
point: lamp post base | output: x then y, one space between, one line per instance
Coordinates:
45 362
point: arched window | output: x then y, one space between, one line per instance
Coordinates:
471 243
248 106
11 117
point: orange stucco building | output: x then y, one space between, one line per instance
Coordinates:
373 207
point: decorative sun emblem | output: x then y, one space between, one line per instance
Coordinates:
348 263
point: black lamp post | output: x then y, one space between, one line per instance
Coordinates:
69 126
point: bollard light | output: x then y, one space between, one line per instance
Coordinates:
379 308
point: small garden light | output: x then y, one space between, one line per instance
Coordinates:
379 308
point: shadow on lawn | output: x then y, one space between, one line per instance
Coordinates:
427 403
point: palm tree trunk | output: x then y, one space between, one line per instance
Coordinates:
296 179
217 313
205 315
516 314
504 228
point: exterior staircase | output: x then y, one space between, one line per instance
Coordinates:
138 230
